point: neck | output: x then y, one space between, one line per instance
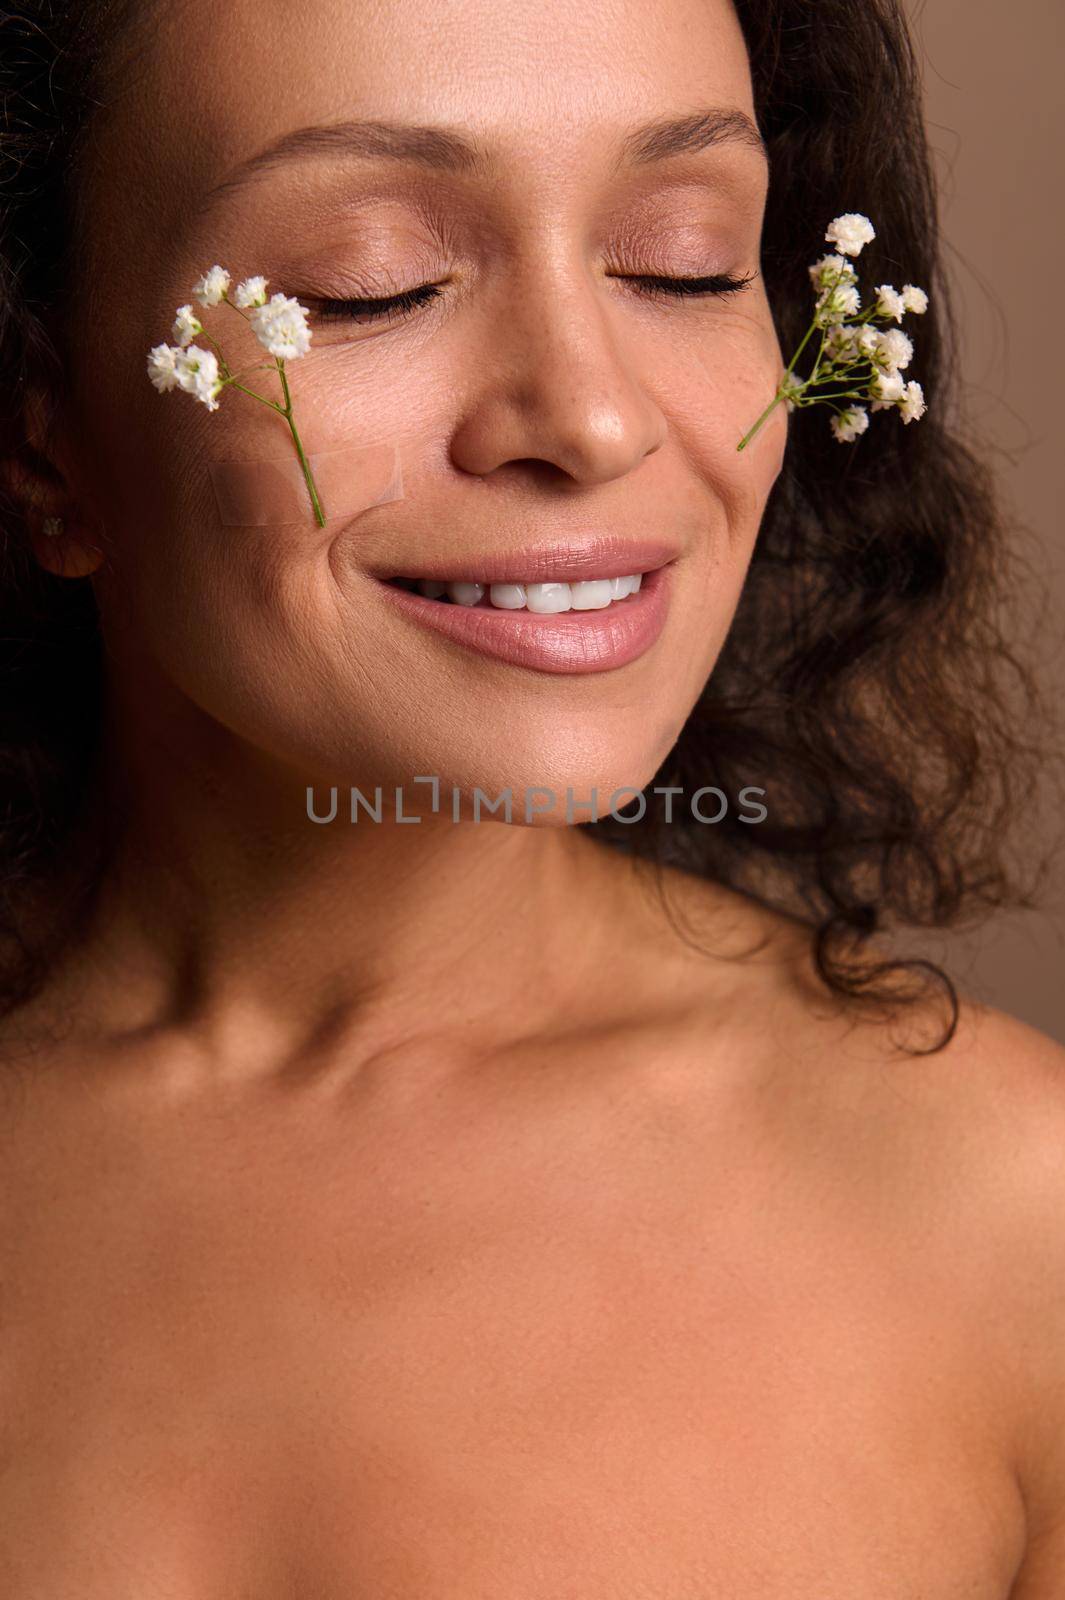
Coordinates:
232 922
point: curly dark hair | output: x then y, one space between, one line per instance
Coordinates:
866 682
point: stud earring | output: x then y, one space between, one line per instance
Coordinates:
52 527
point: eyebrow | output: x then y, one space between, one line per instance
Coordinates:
699 130
449 150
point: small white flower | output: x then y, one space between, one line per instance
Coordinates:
162 367
830 270
850 424
850 233
836 305
889 302
186 326
912 405
251 292
841 346
841 343
197 374
886 387
894 350
869 340
849 298
281 327
209 289
914 299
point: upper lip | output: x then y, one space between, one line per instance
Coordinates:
571 560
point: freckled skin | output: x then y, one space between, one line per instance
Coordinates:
404 1209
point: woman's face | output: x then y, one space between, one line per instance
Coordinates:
542 397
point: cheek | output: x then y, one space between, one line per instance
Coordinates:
713 387
208 591
732 373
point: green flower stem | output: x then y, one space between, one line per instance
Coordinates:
745 441
836 394
304 463
232 304
231 383
781 393
802 346
285 411
221 357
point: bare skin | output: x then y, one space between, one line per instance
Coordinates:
694 1288
406 1211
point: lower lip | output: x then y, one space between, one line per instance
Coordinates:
567 641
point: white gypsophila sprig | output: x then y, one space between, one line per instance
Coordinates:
211 288
912 404
859 360
186 326
251 292
893 350
850 233
850 423
886 388
280 326
162 367
835 304
842 343
889 302
197 373
831 270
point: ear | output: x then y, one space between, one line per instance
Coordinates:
33 479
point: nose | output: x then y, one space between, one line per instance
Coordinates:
559 386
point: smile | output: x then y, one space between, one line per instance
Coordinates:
543 599
581 626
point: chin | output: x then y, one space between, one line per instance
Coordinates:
550 782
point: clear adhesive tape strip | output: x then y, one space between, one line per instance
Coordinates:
256 494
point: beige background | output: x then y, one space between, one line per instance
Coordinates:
994 109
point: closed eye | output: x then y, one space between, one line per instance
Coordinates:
718 283
409 300
653 284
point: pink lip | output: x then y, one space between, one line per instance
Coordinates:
612 556
570 641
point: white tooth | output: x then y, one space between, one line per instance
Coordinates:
634 583
547 597
431 588
619 588
466 594
508 596
591 596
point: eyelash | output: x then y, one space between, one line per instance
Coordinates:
651 284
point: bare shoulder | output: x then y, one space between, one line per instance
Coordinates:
949 1150
1017 1090
962 1149
965 1148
